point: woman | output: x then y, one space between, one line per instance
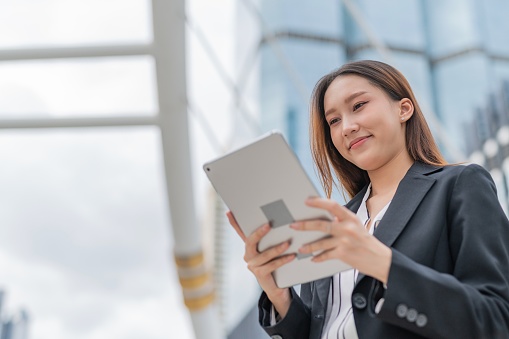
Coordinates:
428 243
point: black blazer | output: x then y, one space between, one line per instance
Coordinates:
449 276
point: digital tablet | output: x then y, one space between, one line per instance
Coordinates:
265 182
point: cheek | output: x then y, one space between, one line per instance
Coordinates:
335 137
398 131
338 142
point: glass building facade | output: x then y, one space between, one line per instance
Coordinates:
454 53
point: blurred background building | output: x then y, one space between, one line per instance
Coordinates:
13 326
85 178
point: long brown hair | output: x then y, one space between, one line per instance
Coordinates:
419 140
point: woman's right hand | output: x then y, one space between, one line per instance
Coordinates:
263 264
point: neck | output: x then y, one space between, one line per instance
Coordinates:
386 178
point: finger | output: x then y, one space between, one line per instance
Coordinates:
333 207
277 263
270 254
272 265
253 240
235 225
319 245
325 255
312 225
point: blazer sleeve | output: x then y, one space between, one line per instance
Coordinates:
295 324
473 300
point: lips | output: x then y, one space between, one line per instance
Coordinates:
357 141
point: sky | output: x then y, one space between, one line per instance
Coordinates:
85 238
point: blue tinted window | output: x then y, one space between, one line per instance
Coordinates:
462 86
303 16
385 19
452 26
496 28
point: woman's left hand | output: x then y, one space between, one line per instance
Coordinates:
349 242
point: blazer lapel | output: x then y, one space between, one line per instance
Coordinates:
409 195
354 204
322 288
411 190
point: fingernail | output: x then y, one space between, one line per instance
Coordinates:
303 249
295 225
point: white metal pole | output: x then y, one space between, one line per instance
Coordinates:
74 52
169 53
138 120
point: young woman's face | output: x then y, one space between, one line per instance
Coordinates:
365 124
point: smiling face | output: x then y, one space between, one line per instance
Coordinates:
367 127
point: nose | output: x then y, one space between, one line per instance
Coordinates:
349 126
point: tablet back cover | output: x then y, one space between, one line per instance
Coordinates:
265 182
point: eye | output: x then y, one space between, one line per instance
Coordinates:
334 121
358 105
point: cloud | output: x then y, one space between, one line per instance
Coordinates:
84 237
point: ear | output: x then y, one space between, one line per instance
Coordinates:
406 109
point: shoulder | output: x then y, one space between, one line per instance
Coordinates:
459 169
470 188
450 180
461 173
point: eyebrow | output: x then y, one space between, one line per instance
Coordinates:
354 95
348 99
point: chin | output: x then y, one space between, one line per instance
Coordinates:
366 163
